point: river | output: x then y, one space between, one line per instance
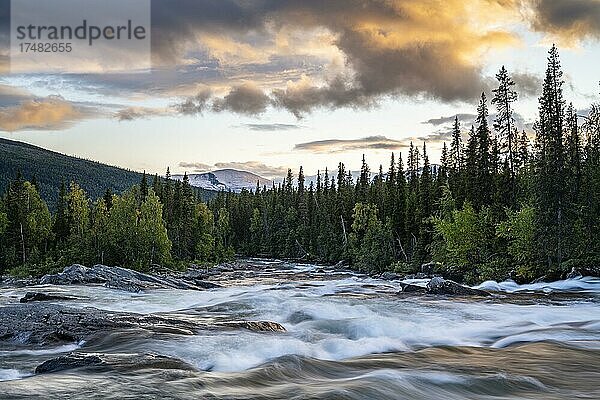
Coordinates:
348 337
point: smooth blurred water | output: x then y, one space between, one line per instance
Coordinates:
347 337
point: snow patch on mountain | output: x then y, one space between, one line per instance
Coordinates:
226 180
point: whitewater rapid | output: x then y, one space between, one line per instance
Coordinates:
331 319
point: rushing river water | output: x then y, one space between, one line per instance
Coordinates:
348 337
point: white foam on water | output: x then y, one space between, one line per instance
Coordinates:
325 323
12 374
586 285
40 352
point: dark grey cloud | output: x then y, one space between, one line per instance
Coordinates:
245 99
527 85
571 18
342 145
339 92
450 119
270 127
196 104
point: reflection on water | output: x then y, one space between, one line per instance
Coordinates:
351 337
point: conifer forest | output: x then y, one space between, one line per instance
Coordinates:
500 203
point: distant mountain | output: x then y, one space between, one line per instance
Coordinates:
227 180
50 169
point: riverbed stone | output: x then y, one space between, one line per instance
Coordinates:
118 278
410 288
69 361
438 285
39 296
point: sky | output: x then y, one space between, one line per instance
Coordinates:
266 85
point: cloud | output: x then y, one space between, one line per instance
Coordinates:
270 127
527 85
196 166
246 99
132 113
571 20
341 53
196 104
51 113
300 56
11 96
302 97
449 119
466 120
343 145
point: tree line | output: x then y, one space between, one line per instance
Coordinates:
498 205
149 225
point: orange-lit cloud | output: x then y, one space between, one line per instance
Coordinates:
51 113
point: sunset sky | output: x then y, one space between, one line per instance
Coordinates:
269 84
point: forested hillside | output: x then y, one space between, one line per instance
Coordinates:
49 169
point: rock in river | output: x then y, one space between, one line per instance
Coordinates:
118 278
111 362
38 296
42 324
439 285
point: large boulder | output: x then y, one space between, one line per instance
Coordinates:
390 276
438 285
119 278
410 288
42 324
110 362
69 361
430 268
38 296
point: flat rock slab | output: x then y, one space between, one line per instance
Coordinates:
121 279
44 324
38 296
447 287
111 362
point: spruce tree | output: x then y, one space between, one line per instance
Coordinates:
550 190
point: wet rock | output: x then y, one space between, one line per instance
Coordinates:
409 288
390 276
16 282
38 296
341 265
70 361
112 362
418 275
439 285
574 274
429 268
256 326
40 324
116 278
541 279
206 285
43 324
